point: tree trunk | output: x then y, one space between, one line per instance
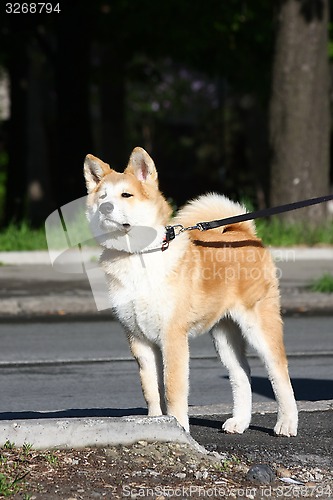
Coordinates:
17 145
300 108
112 107
38 168
73 93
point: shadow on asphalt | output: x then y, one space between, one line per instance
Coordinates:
305 389
205 422
312 447
217 424
73 413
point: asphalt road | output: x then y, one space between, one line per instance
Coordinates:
311 449
84 368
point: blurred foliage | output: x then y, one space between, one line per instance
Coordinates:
274 232
324 284
17 237
2 189
189 81
330 41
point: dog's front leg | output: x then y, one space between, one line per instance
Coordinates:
175 352
149 359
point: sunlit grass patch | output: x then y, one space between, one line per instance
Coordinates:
277 233
324 284
22 237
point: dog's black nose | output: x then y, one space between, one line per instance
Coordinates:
106 208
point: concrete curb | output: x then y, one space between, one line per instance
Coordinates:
52 305
94 432
294 254
50 433
57 305
40 290
42 257
280 254
260 407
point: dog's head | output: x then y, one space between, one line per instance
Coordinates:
125 204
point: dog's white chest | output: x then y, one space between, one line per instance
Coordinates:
138 296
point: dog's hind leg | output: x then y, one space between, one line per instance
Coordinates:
262 328
230 346
149 359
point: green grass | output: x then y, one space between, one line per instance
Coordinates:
22 237
274 233
323 284
16 465
51 458
8 445
8 486
11 474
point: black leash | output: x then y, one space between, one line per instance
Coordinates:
173 231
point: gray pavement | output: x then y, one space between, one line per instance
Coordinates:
30 286
84 365
82 340
31 289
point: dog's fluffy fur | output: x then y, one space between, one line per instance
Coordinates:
222 281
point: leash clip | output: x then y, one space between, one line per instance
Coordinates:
173 231
170 233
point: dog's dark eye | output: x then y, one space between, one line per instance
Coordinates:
102 196
126 195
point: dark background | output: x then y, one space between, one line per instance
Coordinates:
190 81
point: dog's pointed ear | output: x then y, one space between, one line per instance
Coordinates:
94 171
142 166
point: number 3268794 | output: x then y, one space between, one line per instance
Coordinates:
32 8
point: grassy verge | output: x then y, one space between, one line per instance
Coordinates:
323 284
274 233
16 465
13 472
22 237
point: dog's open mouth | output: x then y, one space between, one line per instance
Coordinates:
109 224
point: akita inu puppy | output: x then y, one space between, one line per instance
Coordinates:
221 281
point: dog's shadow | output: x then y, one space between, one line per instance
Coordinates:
73 413
208 423
305 389
205 422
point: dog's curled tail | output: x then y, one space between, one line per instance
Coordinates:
213 206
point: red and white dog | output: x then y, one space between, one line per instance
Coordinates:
222 281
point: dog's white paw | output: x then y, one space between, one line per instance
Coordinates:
154 411
286 426
235 425
182 419
185 424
